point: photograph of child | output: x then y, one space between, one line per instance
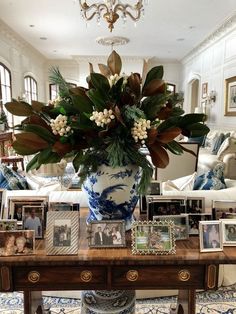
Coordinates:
16 243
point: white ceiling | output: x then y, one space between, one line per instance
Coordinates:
156 35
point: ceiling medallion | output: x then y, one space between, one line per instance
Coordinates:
112 41
109 9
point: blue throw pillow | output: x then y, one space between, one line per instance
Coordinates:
218 141
11 180
212 180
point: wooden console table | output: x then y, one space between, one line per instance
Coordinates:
99 269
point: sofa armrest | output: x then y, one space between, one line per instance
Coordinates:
230 165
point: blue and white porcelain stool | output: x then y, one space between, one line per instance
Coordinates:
108 302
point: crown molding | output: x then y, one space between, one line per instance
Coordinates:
225 28
99 59
17 41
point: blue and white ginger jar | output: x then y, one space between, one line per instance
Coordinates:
111 193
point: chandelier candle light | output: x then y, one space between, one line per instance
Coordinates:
109 9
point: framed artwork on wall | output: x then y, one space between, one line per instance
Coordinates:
204 90
230 96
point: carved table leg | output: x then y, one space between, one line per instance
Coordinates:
33 302
186 302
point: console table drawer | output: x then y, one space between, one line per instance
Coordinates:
59 277
158 277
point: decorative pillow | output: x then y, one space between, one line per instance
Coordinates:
11 180
227 147
181 184
212 180
217 143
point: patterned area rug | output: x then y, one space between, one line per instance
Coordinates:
222 301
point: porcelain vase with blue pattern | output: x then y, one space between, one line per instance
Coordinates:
111 193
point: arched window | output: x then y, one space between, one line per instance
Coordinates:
5 84
54 90
31 88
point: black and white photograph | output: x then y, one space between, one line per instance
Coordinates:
33 219
229 232
194 220
17 242
195 205
157 206
210 236
107 233
181 225
62 234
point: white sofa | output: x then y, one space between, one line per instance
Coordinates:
226 153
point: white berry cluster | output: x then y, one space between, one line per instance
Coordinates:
113 79
103 117
59 125
139 131
55 102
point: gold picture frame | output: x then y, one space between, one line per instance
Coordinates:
153 237
62 236
230 96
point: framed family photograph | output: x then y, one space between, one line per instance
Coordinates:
194 220
204 90
195 205
62 235
33 219
15 205
106 233
229 232
230 96
17 242
181 225
164 205
154 188
222 209
153 237
8 224
210 236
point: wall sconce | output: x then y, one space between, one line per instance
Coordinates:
212 97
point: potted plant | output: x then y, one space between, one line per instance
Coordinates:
103 127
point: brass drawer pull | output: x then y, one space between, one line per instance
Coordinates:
86 275
184 275
132 275
33 276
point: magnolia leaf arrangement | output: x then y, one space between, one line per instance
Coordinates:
108 121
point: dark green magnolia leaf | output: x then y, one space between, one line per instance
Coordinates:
191 118
154 87
177 111
152 105
155 73
19 108
171 122
33 163
77 160
104 69
82 103
97 98
114 63
37 106
197 129
67 108
47 156
41 132
174 147
31 141
100 82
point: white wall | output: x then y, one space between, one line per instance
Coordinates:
212 65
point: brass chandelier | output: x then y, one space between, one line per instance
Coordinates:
109 9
